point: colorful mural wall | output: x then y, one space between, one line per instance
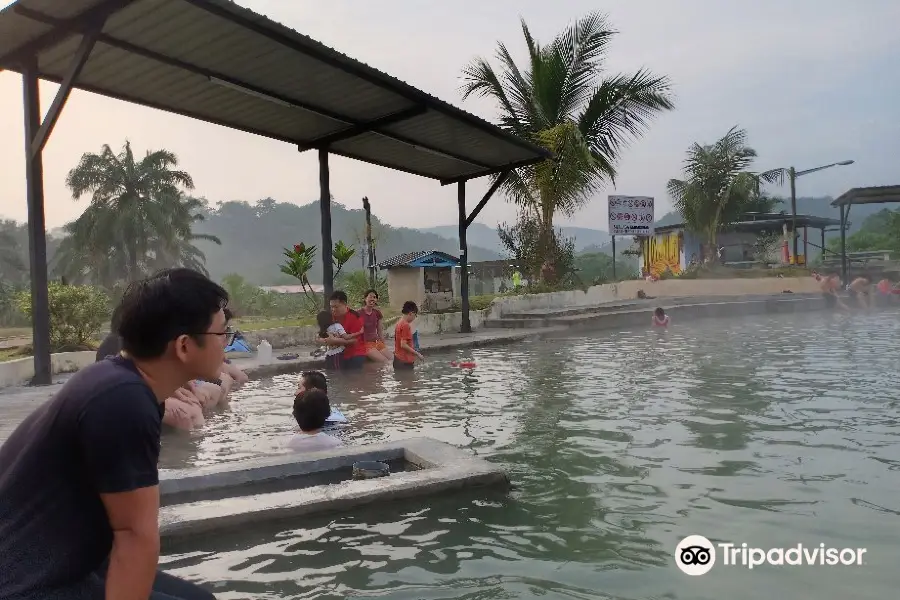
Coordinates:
662 252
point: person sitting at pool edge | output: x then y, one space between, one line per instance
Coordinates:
354 354
376 349
311 410
404 354
859 289
79 481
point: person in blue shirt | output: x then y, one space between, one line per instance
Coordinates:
79 485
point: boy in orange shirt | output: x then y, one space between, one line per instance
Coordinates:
404 354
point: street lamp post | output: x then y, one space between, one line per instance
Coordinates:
794 174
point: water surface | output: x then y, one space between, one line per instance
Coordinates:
771 430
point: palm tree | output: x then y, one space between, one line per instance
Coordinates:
86 255
718 188
132 202
562 100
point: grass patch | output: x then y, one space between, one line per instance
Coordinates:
7 354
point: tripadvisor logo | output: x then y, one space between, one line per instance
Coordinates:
696 555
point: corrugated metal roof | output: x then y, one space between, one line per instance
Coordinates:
885 194
407 258
216 61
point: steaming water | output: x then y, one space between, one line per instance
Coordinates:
772 431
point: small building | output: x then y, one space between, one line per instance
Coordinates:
674 247
426 277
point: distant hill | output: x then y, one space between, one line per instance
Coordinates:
253 237
486 237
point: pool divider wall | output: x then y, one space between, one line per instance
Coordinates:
442 468
599 318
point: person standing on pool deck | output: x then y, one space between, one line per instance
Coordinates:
404 354
354 355
79 483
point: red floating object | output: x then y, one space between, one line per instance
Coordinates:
467 365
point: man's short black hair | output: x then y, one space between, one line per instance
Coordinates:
311 409
340 296
409 307
314 379
174 302
229 314
371 291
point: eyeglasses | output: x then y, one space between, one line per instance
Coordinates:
229 334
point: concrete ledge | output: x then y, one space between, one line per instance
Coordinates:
598 318
442 468
21 370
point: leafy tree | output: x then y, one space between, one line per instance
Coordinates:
564 101
356 283
520 241
880 231
718 188
135 205
77 313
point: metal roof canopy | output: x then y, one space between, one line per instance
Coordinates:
218 62
763 221
886 194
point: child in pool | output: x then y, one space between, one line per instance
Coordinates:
660 318
311 410
333 336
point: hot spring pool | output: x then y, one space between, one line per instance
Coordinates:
772 431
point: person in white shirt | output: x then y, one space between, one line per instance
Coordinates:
311 409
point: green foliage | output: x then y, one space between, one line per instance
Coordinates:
718 188
356 283
10 313
341 254
562 100
77 313
595 268
533 250
301 259
880 231
138 220
247 299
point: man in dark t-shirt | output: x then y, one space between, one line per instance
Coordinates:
79 495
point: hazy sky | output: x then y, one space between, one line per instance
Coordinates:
813 81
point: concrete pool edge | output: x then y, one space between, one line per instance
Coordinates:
445 468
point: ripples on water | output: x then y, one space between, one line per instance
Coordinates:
768 430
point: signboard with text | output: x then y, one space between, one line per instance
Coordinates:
630 215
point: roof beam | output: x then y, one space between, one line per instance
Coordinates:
62 28
355 130
493 171
257 91
484 200
65 88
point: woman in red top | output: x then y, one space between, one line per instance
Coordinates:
373 334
